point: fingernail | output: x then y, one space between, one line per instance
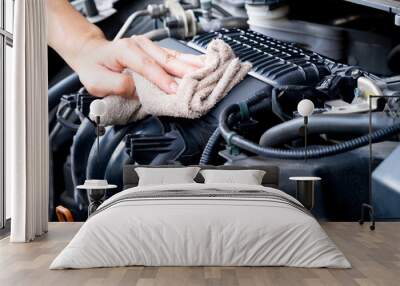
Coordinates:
173 87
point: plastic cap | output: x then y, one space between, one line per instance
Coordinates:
97 108
305 107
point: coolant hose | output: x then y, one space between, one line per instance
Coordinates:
232 138
344 124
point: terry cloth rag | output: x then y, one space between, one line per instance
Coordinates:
197 92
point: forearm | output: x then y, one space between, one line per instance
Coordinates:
68 31
100 63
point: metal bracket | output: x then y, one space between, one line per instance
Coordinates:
186 19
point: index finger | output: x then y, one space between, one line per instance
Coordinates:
134 58
194 60
169 62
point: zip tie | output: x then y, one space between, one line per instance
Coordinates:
244 111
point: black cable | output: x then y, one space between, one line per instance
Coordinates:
211 146
349 125
254 104
299 153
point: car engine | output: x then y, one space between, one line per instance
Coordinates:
342 56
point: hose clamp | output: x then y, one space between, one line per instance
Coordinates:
229 138
232 149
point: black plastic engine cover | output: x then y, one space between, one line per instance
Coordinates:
181 141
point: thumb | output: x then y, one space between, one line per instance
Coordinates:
106 82
119 83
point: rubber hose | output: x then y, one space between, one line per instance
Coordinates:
211 145
255 105
67 85
346 124
299 154
129 22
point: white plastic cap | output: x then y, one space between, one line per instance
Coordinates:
305 107
97 108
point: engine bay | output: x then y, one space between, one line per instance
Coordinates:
341 56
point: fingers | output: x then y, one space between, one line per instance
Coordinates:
168 60
103 82
133 57
141 55
194 60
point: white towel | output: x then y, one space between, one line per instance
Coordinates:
197 92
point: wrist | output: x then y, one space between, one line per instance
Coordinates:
87 42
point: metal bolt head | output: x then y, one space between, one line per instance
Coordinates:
355 73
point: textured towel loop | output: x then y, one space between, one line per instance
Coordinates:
244 111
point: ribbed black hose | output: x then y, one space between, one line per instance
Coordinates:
350 125
211 146
255 104
298 154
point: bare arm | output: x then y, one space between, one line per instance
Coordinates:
68 30
99 62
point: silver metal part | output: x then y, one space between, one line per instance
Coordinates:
186 19
366 87
129 21
157 10
206 7
105 9
185 26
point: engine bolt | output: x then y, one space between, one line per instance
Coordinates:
355 73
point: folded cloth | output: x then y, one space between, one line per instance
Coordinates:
197 92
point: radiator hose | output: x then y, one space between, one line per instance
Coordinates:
232 138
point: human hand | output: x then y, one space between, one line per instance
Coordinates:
100 65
